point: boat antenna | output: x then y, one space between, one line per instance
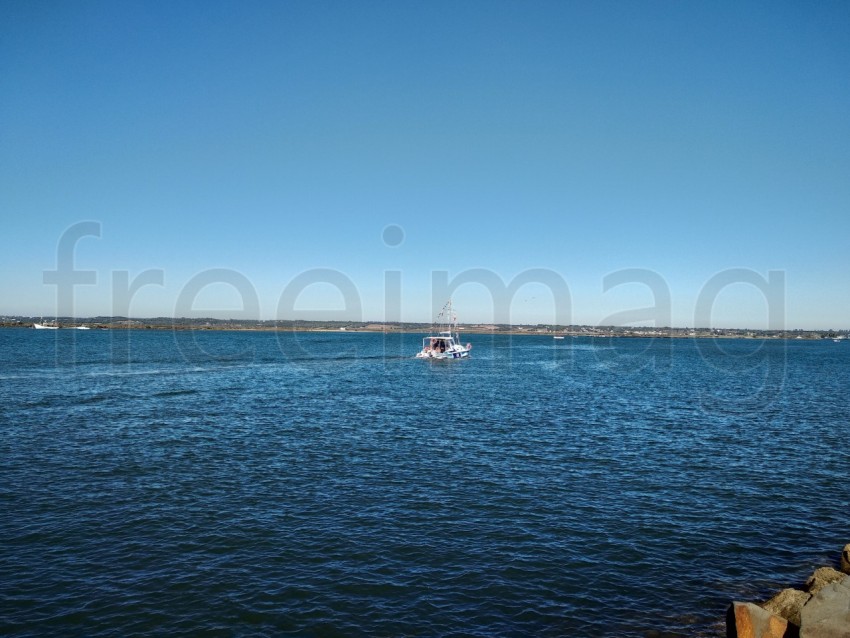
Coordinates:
444 317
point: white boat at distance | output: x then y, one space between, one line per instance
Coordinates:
445 343
54 325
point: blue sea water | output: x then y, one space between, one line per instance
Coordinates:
322 484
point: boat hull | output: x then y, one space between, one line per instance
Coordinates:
457 354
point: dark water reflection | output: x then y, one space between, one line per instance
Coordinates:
329 484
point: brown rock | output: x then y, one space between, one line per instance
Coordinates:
788 603
822 577
827 614
845 559
746 620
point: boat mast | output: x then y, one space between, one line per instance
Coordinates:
448 319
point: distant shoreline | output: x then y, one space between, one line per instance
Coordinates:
183 324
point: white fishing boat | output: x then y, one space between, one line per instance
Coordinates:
444 342
46 325
558 337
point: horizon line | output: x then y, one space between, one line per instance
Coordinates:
364 322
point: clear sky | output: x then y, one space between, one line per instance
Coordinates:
273 139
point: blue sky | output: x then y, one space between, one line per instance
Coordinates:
272 139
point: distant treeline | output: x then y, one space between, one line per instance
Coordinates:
211 323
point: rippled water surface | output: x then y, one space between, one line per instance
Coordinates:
229 483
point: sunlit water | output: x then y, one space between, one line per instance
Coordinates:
228 483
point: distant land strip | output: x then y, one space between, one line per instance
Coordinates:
187 323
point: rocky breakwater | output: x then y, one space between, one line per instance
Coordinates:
821 609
